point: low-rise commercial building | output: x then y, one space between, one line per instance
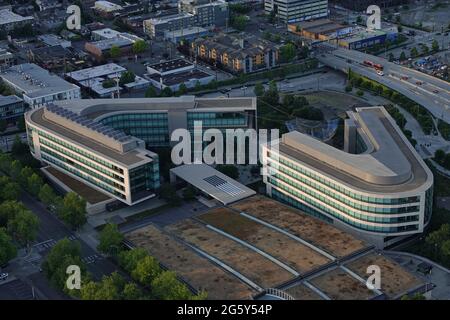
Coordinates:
187 34
94 79
11 108
37 86
6 59
107 9
171 74
237 54
101 49
378 188
52 40
10 20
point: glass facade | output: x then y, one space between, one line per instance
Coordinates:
153 128
217 119
319 196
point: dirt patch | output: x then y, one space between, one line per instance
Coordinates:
339 285
196 270
252 265
301 292
338 243
89 194
395 280
291 252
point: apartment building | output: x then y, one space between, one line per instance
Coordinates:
296 10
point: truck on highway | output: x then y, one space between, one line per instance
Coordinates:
371 64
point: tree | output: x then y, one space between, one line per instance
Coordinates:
16 169
182 89
127 77
151 92
19 148
189 193
139 46
239 22
129 259
425 49
114 52
271 96
360 93
23 176
9 190
47 195
110 239
146 270
131 292
23 227
439 155
402 56
34 184
288 52
259 89
73 211
63 254
166 92
3 125
391 57
414 52
7 249
435 46
399 28
167 287
228 169
169 193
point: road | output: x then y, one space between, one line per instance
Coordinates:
438 103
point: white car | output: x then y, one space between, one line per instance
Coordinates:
3 276
380 73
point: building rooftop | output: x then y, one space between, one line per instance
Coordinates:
129 158
109 6
180 77
7 16
94 108
319 26
95 72
6 100
390 164
35 81
53 40
166 19
170 65
359 34
213 182
185 32
107 44
106 33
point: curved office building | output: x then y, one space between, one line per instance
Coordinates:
379 187
103 142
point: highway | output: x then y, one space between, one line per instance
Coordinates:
431 92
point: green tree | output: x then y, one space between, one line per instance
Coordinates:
34 184
73 211
8 250
435 46
189 193
166 92
131 292
9 190
182 89
425 49
168 193
114 52
146 270
127 77
110 239
23 176
151 92
288 52
228 169
414 52
23 227
3 125
139 46
360 93
439 155
259 89
129 259
402 56
167 287
239 22
47 195
15 171
63 254
391 57
19 148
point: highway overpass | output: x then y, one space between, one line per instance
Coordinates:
428 91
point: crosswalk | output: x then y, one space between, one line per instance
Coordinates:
48 244
91 259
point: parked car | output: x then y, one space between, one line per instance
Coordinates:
4 276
